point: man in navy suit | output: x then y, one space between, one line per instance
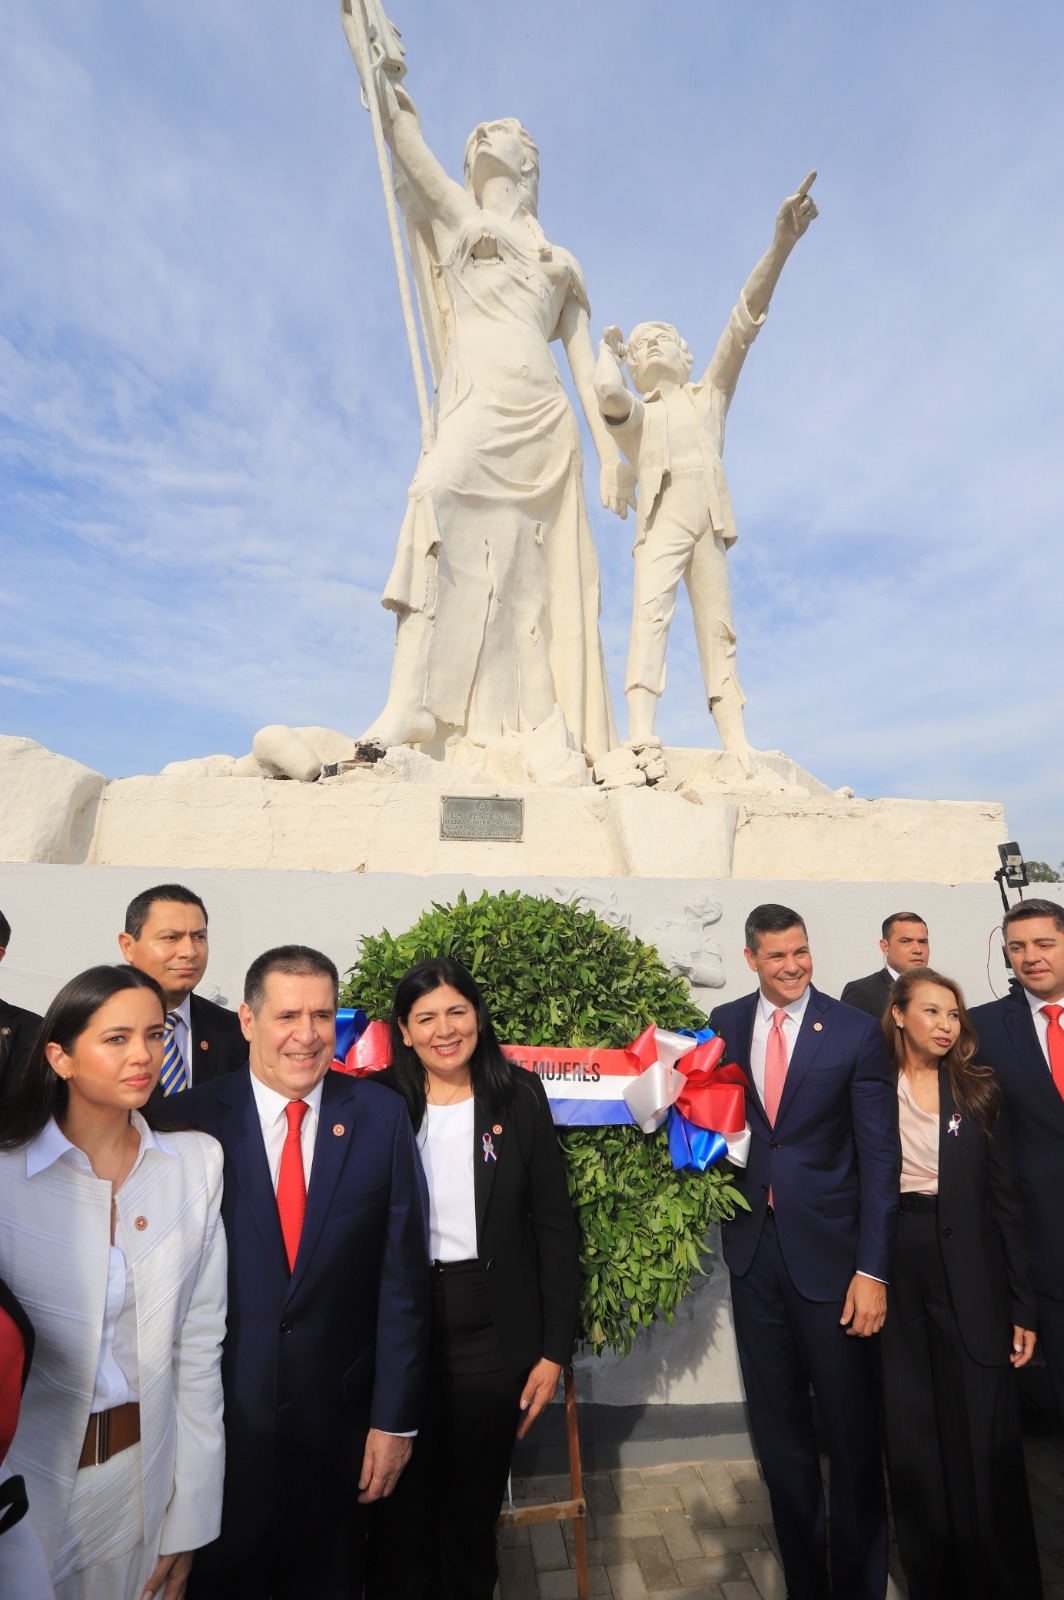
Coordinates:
326 1351
1021 1037
810 1260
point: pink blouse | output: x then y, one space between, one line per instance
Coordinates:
919 1142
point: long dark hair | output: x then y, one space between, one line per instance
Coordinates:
491 1074
43 1093
975 1088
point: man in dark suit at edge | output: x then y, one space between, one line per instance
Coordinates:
810 1259
325 1358
904 944
1021 1037
18 1031
166 936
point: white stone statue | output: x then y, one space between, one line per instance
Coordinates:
495 584
673 432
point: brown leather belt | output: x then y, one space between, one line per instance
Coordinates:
109 1432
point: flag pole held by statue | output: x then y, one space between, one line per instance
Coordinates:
377 47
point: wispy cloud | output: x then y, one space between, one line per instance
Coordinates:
208 425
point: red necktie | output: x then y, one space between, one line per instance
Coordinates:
291 1184
1055 1040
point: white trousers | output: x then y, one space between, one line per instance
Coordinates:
102 1554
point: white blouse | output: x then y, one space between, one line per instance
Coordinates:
446 1143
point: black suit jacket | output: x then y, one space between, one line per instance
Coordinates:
870 994
218 1047
218 1044
18 1034
1008 1042
527 1237
981 1231
315 1357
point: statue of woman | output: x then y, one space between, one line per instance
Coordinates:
495 583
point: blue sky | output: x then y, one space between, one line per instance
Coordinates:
208 422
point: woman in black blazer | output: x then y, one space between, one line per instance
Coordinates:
960 1317
506 1284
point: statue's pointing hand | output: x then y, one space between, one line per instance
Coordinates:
796 212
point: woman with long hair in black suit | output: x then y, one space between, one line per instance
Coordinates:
505 1277
961 1314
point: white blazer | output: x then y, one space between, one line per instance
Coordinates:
54 1251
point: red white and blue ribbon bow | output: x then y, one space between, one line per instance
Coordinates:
660 1077
685 1085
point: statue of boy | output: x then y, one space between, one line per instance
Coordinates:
674 437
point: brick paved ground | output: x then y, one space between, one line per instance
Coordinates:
702 1531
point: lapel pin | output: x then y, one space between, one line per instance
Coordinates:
338 1129
954 1125
140 1223
204 1045
818 1027
497 1128
489 1148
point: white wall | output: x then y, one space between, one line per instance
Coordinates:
66 918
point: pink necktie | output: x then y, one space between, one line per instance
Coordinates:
291 1184
775 1075
1055 1041
775 1065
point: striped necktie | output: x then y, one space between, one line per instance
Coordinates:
173 1077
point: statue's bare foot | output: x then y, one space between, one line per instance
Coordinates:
401 726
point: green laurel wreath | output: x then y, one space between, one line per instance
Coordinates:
555 975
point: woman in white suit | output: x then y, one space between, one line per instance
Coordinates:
111 1238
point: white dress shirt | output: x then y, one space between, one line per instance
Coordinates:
446 1142
763 1027
274 1124
1041 1024
117 1370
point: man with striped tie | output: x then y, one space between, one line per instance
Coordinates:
166 937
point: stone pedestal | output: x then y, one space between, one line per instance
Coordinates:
710 824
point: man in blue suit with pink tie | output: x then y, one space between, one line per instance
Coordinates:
810 1260
325 1359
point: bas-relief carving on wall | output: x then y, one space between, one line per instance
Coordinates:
682 942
